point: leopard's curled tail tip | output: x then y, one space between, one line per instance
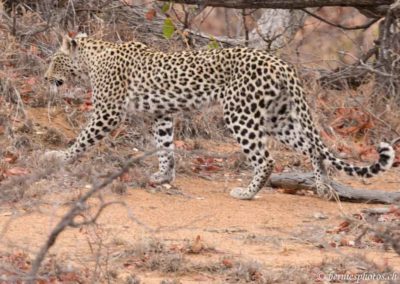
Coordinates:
386 155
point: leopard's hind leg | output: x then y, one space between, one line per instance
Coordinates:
291 131
249 133
164 134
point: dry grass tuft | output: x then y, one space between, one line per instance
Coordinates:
167 263
251 271
207 124
15 266
132 279
173 281
54 137
119 187
14 188
154 255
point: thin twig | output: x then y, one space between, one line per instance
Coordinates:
246 29
96 216
77 208
359 27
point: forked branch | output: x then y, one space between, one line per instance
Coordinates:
79 206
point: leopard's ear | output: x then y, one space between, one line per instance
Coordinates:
81 35
68 45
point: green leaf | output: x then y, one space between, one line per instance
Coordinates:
165 8
168 28
213 44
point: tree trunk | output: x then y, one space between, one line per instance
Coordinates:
388 58
276 28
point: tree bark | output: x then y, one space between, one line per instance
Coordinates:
276 28
305 181
283 4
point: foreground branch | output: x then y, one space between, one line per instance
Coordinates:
293 181
305 181
79 206
283 4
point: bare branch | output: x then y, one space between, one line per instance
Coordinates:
96 216
359 27
283 4
77 208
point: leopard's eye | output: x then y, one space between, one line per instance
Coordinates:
59 83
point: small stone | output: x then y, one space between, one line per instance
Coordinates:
167 186
320 216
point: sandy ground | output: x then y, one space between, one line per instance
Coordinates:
277 230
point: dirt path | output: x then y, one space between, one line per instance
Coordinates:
195 229
275 229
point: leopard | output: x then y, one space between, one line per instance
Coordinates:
261 96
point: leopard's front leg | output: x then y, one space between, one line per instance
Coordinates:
164 135
102 122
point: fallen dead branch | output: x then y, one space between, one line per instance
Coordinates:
78 207
380 210
305 181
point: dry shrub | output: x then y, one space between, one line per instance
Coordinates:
148 246
208 124
173 281
349 265
251 271
14 268
119 187
167 263
54 137
27 127
22 142
353 122
132 279
14 188
154 255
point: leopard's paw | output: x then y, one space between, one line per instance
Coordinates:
241 193
160 178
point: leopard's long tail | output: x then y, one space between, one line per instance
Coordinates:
385 150
385 162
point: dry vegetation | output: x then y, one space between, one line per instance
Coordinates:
167 234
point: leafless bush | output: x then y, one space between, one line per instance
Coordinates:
208 124
53 137
133 279
383 224
119 187
251 271
14 267
167 281
15 187
154 255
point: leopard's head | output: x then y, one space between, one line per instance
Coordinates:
63 65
